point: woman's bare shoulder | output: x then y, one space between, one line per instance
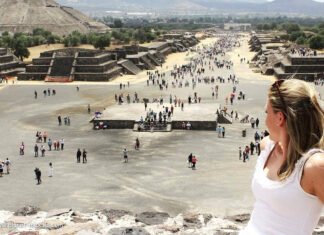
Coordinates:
264 142
314 171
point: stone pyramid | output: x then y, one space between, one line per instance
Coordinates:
25 15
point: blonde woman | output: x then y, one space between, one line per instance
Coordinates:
288 183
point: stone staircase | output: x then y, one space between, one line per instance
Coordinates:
153 59
129 67
147 63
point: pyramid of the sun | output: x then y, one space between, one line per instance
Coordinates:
25 15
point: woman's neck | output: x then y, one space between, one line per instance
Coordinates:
282 148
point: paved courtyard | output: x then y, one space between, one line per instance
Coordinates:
156 178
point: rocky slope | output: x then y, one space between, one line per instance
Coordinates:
30 221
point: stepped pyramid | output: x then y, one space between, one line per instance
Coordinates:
9 64
25 15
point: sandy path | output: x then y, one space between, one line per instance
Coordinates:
242 69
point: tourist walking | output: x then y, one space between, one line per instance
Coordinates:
50 173
193 160
257 123
78 155
252 146
36 150
49 145
44 136
84 156
219 131
125 155
223 132
190 160
59 119
42 150
22 149
62 144
38 175
137 144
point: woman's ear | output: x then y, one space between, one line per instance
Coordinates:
281 118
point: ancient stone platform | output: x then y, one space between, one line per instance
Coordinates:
201 116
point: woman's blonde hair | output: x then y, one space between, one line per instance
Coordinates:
304 118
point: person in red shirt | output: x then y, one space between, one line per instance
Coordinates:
194 160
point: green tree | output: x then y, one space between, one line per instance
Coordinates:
118 23
102 42
294 35
92 38
84 39
66 41
75 40
284 37
38 31
321 25
266 27
301 40
38 40
20 48
316 42
5 33
259 26
51 39
290 27
29 41
273 25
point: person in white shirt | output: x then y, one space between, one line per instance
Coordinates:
288 182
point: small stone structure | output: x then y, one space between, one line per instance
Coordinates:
72 64
9 64
301 67
275 58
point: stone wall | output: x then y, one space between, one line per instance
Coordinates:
115 124
32 76
9 65
42 61
37 68
6 58
307 60
311 68
196 125
93 60
96 68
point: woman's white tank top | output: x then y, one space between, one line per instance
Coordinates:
282 208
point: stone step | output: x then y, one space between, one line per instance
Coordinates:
130 67
167 128
3 51
6 58
12 72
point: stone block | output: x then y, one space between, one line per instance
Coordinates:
152 218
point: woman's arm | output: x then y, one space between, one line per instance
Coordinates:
313 178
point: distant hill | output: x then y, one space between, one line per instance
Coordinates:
305 7
25 15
